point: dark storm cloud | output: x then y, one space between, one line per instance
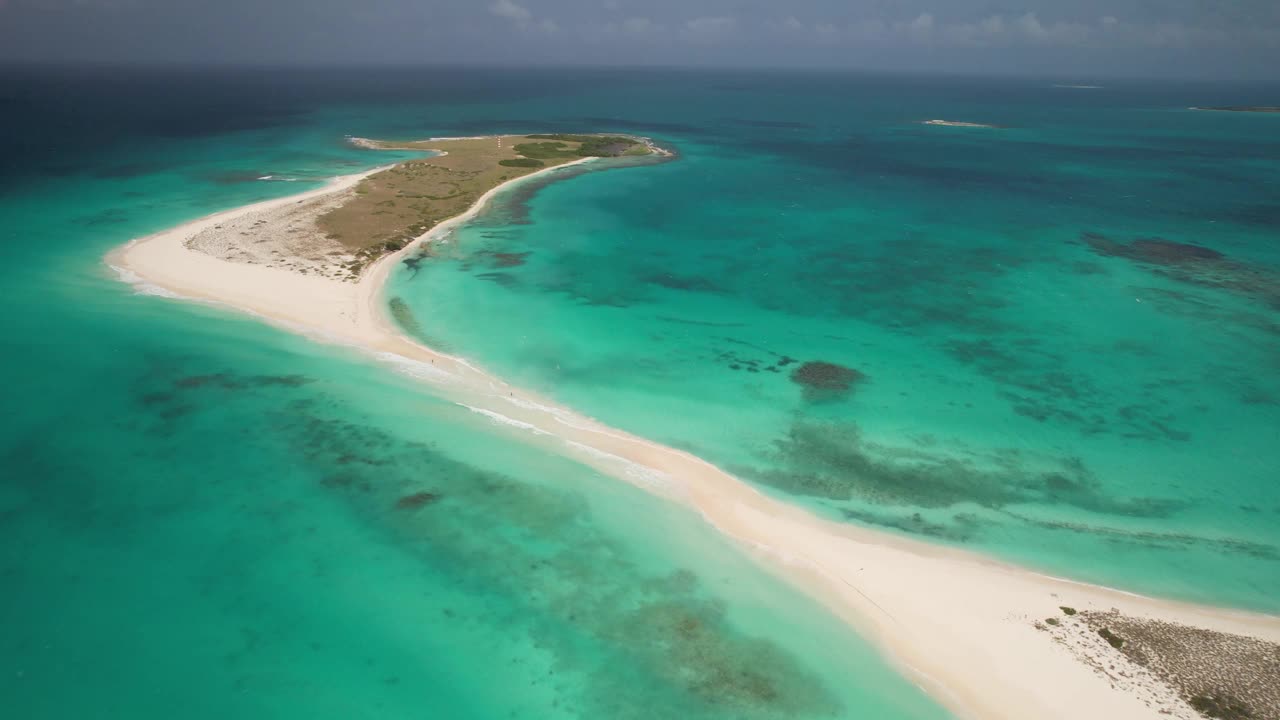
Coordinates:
1237 38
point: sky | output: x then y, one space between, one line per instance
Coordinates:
1208 39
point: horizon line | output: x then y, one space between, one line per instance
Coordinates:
180 66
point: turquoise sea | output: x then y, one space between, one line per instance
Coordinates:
207 517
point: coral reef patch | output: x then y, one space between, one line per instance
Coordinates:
823 380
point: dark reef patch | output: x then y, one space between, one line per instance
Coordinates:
1198 306
110 216
962 527
593 290
682 282
508 259
494 259
1194 265
505 280
825 380
403 316
1156 251
700 323
423 252
905 284
229 381
1084 267
834 462
417 500
752 359
1166 540
1036 386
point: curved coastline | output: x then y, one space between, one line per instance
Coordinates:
964 626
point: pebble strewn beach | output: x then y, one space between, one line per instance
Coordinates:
284 237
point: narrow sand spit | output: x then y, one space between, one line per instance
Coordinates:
968 629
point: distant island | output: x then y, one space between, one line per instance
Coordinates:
957 123
1080 87
1242 108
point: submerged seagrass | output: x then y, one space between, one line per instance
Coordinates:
938 332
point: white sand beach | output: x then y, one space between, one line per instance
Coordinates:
967 628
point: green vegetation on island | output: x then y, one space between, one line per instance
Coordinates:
1220 675
1221 708
1113 639
601 147
391 208
595 145
522 162
547 150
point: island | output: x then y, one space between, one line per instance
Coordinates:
316 262
340 234
1242 108
957 123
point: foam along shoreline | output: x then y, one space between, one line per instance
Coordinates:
970 630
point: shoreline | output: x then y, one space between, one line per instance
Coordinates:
962 625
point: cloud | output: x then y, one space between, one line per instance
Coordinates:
1236 38
827 32
1025 30
638 25
1030 25
522 16
104 5
511 11
710 27
920 29
635 31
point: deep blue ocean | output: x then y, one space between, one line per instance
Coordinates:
1056 341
